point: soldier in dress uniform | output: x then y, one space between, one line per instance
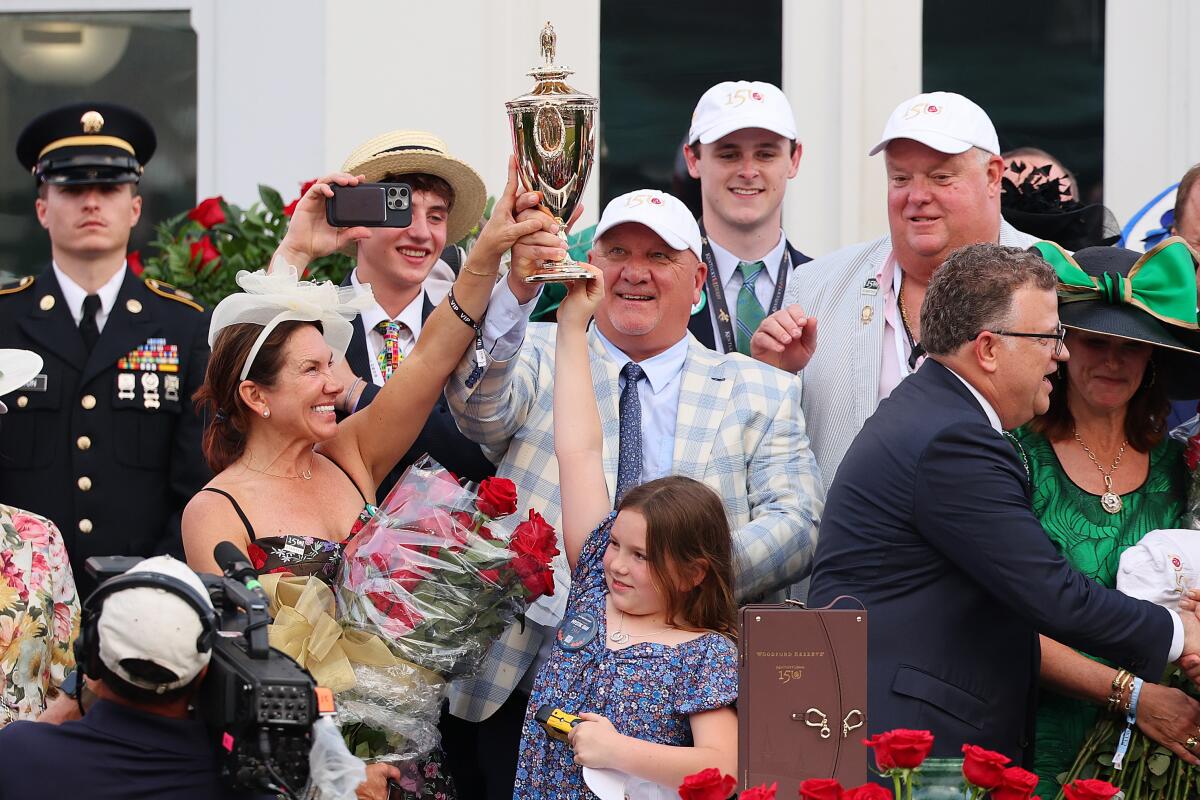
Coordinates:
104 440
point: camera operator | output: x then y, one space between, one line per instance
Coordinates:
144 651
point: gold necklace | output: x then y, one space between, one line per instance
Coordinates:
1110 501
306 475
619 636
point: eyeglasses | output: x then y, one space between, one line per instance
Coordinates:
1060 333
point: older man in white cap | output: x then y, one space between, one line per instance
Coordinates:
742 146
144 650
668 406
943 164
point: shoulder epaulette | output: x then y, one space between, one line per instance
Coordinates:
20 285
170 292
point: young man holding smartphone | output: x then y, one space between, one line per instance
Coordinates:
447 200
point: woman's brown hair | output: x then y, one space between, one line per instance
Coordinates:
685 526
1145 416
218 399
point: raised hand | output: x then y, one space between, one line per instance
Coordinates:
579 305
309 234
503 229
544 245
786 339
595 740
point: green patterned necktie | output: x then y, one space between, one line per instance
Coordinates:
750 312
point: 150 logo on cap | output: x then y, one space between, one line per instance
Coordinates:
740 96
922 108
642 199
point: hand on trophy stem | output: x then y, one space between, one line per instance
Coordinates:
503 229
531 251
309 234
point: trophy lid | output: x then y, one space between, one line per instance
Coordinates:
550 79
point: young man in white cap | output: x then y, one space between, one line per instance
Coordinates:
943 164
144 662
719 418
448 198
742 147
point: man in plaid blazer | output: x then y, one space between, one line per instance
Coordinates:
737 424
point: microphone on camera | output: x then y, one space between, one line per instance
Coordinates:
233 563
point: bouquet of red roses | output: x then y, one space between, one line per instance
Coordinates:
437 576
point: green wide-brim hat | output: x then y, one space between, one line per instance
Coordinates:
1144 297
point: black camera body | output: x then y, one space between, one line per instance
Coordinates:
258 704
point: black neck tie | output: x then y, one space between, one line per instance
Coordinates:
87 325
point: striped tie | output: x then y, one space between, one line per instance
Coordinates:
389 356
750 312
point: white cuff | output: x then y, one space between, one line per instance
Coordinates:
504 326
1176 638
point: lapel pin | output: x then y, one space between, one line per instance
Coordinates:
867 314
133 306
47 302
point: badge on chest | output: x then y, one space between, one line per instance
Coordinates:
577 630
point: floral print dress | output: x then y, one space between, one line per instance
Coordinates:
647 690
39 613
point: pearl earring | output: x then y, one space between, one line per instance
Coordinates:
266 413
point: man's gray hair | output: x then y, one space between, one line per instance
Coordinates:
973 291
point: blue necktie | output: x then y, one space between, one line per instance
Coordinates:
629 462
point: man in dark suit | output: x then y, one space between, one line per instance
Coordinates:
105 440
447 201
928 523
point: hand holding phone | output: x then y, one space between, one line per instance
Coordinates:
372 205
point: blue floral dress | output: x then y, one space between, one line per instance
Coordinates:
647 690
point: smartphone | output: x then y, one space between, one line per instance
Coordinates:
374 205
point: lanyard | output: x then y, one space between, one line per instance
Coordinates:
716 293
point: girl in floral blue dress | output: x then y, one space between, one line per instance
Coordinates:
646 654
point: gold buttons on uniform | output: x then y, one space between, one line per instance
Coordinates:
22 401
88 401
47 302
133 306
83 442
85 526
84 484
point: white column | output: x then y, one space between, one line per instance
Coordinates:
1151 99
846 65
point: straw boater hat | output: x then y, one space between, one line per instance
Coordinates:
1145 297
402 152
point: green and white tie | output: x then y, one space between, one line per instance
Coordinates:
750 312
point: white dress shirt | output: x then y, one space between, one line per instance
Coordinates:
731 279
994 419
410 330
74 295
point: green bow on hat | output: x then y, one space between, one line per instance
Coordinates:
1152 285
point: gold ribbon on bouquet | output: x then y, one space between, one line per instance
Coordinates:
304 627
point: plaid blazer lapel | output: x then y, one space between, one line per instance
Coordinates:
606 381
704 394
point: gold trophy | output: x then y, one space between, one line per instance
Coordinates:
554 138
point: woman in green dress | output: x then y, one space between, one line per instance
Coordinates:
1102 469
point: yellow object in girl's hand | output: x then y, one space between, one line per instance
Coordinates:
556 722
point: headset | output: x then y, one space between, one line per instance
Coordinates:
87 644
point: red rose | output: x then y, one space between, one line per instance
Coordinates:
534 576
763 792
983 768
467 521
258 556
290 208
908 748
535 537
491 576
707 784
400 617
134 260
497 498
203 253
1090 789
883 754
868 791
209 212
1192 455
821 789
1018 784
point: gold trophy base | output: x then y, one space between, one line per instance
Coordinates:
559 272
